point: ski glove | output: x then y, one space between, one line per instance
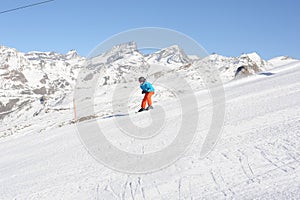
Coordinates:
144 91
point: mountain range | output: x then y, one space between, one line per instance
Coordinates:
26 77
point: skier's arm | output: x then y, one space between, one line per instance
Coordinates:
147 87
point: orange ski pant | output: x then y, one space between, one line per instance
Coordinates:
147 99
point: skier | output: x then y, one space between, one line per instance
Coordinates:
43 103
148 90
42 100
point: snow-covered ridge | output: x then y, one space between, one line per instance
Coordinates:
281 60
169 55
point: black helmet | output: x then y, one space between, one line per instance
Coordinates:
142 79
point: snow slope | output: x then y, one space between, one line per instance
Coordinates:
257 156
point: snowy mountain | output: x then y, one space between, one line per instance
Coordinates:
281 60
27 77
123 63
257 155
172 55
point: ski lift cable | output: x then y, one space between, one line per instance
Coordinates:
26 6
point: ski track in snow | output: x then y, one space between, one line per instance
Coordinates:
257 156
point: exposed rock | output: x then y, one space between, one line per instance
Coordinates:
7 108
15 75
40 91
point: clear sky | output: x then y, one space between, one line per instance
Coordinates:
227 27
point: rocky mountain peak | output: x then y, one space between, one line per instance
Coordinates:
71 54
120 51
170 55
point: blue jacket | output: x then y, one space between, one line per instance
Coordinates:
147 87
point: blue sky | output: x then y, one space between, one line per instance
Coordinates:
227 27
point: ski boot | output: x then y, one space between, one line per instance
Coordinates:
149 108
142 109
